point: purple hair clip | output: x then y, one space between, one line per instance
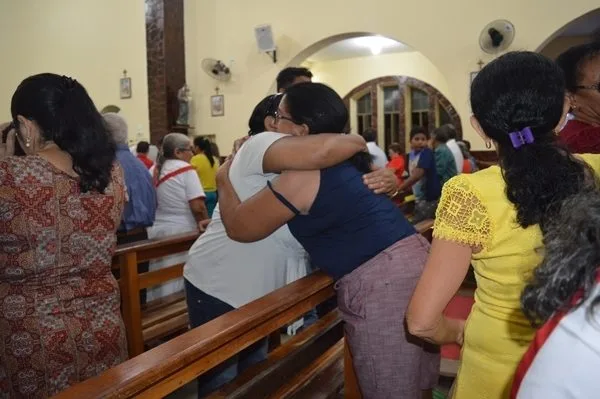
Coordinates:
521 137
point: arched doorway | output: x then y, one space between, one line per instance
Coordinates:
394 104
580 30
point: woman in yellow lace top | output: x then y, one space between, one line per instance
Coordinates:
494 219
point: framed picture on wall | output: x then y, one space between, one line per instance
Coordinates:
217 105
125 88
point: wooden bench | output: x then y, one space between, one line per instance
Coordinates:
169 366
159 318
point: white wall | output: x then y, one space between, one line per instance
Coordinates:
91 41
345 75
446 32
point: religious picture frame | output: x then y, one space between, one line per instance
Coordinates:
217 105
125 87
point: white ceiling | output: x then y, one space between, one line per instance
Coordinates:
584 26
358 47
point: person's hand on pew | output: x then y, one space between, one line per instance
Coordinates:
203 224
382 181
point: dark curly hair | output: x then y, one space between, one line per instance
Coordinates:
525 89
321 109
571 261
66 115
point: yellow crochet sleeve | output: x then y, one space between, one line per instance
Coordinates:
461 216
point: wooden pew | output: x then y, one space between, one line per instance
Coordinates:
169 366
163 369
157 318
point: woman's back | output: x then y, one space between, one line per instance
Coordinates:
348 224
174 190
238 273
475 211
56 247
206 172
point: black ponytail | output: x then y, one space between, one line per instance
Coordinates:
205 146
539 177
526 90
67 116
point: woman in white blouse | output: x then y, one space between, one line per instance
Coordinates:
180 203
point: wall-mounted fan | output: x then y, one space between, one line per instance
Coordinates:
216 69
497 36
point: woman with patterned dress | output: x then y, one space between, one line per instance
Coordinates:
60 206
495 220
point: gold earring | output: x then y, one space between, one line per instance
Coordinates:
27 142
488 145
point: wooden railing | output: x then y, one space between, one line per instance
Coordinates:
165 368
126 258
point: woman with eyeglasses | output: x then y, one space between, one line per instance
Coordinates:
359 238
180 200
581 67
222 274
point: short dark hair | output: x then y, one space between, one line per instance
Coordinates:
266 107
467 144
442 133
143 147
397 148
370 135
573 60
451 131
286 77
418 130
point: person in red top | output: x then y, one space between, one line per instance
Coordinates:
562 298
396 163
142 150
581 67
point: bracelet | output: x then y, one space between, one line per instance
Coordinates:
394 194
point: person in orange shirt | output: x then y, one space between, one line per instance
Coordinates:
397 162
142 150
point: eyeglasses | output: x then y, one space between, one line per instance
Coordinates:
591 87
279 117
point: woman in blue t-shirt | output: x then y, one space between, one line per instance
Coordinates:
359 238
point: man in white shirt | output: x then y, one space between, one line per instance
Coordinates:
379 157
453 146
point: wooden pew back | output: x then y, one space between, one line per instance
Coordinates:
163 369
127 257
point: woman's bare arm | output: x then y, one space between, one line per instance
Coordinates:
444 272
198 207
262 214
312 152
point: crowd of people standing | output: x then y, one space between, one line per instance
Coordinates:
299 195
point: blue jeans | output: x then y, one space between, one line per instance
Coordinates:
203 308
211 202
